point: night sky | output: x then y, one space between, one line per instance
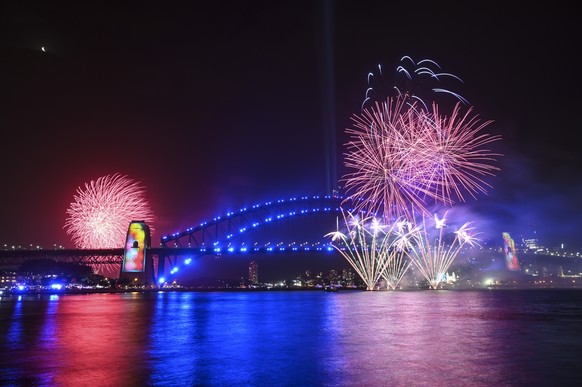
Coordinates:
214 106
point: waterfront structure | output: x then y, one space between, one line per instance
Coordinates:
292 226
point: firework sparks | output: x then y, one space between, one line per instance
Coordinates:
395 270
453 154
101 212
417 82
405 159
370 248
379 153
431 253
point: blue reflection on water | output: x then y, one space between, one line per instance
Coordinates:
14 335
248 338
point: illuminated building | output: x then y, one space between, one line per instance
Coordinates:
531 244
254 272
8 279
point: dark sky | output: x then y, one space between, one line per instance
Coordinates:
218 105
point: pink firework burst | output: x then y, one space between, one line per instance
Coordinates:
383 181
452 152
101 212
405 158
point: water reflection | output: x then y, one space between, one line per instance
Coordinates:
174 332
347 338
231 338
419 340
74 339
101 338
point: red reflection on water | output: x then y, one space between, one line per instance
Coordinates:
95 344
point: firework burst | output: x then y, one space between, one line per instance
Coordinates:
101 212
379 154
453 154
405 159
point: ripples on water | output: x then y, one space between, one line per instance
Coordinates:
293 338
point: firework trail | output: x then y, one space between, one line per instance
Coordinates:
431 253
371 249
417 82
101 212
406 159
397 267
395 271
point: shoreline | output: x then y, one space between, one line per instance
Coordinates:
166 290
7 293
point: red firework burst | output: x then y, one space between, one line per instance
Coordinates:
101 212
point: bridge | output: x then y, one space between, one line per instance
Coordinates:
295 225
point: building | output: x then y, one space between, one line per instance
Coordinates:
254 272
8 279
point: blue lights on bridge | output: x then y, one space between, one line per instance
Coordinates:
174 270
298 225
219 231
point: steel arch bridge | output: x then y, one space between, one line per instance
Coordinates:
295 225
252 229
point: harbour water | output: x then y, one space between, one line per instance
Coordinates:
293 338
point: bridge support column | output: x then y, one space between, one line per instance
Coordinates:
161 266
149 272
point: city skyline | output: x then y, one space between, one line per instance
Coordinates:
212 113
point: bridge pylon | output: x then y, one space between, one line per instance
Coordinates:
137 266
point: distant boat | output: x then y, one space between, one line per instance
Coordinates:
330 288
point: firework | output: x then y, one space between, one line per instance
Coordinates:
431 252
395 270
101 212
378 152
405 159
417 82
371 249
453 154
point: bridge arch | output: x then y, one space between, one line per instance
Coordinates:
252 231
246 229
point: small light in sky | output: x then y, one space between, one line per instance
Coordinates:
42 48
